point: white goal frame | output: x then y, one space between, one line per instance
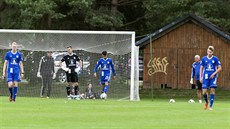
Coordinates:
134 76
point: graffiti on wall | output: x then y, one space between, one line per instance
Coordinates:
156 65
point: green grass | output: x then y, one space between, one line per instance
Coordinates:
38 113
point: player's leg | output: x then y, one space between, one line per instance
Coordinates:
199 91
74 79
212 91
16 79
106 87
205 86
15 90
68 90
106 80
212 97
10 86
49 86
42 88
205 95
102 82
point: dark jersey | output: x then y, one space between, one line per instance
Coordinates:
46 66
70 61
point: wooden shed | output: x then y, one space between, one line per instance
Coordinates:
174 47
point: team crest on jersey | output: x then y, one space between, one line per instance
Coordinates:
16 56
108 62
213 61
74 58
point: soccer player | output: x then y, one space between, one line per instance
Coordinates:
14 66
210 66
71 60
196 71
105 63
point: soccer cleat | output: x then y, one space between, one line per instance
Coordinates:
200 101
210 108
47 97
206 106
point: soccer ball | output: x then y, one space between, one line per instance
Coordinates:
191 101
103 96
172 101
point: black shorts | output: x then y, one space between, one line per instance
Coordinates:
198 85
73 77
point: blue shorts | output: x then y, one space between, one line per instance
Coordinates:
13 77
209 83
105 78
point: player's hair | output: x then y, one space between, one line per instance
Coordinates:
69 47
197 56
13 43
104 53
211 48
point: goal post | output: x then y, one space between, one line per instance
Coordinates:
88 45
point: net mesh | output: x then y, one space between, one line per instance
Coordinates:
88 45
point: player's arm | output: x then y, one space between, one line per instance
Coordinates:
219 68
62 65
53 66
22 69
113 69
21 66
4 68
5 65
96 67
201 74
192 75
39 68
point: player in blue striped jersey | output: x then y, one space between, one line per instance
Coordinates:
105 64
14 67
196 72
210 66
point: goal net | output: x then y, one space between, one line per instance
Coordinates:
88 45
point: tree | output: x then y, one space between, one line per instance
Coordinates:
141 16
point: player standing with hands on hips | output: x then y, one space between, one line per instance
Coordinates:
14 66
210 66
196 71
72 61
105 63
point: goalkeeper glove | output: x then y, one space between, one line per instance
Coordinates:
65 69
39 74
191 81
78 70
54 76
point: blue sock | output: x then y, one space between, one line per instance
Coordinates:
11 91
15 92
105 88
205 98
212 96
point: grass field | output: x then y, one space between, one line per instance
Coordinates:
38 113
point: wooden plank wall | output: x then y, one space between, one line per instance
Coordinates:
180 46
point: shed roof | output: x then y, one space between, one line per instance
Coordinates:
180 21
